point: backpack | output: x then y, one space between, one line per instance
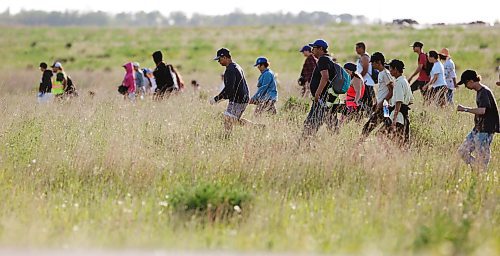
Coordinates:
374 75
341 82
428 65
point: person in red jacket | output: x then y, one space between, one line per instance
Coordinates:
129 80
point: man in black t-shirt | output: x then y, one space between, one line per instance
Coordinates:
486 122
164 80
322 75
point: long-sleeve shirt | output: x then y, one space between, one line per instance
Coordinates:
235 86
266 87
163 77
308 68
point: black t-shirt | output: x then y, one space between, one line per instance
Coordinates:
324 63
489 122
163 77
235 85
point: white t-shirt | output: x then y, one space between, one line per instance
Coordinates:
438 68
384 78
449 73
367 79
401 92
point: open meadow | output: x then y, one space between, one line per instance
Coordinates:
100 172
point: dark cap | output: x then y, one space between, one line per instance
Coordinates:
467 75
397 64
378 56
319 43
417 44
43 65
305 48
260 60
222 52
157 56
350 66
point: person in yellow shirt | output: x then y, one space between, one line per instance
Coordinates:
60 80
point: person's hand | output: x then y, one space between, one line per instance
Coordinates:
425 87
212 101
460 108
316 97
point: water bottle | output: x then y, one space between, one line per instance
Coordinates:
386 109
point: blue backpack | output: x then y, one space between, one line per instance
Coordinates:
341 82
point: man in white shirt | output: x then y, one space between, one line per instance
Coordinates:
402 97
364 67
449 74
385 85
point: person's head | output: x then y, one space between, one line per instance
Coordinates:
319 47
378 61
136 66
223 57
43 66
360 48
417 47
470 79
306 50
350 68
396 67
433 56
57 66
157 57
261 63
444 54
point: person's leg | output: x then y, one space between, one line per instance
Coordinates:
313 120
415 86
449 96
372 123
483 149
468 146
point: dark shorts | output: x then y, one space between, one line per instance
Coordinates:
417 85
438 94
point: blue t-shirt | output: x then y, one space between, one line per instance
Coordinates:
266 87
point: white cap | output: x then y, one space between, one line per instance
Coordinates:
136 64
57 65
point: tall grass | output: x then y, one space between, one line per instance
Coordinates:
102 172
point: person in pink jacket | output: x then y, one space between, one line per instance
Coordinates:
129 80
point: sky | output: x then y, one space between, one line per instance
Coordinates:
423 11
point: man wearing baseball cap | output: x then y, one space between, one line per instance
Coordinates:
307 69
402 98
486 122
235 90
60 79
267 94
423 78
323 73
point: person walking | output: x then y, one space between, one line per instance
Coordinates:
449 74
45 88
267 93
437 91
307 70
486 122
355 92
59 81
364 67
129 81
139 80
423 77
235 90
164 81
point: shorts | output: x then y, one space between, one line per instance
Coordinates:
417 85
235 110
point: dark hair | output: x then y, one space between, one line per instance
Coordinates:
352 67
193 82
361 45
433 54
265 64
397 64
442 57
378 56
43 65
157 56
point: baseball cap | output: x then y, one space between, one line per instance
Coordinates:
305 48
319 43
397 64
260 60
444 52
222 52
466 76
57 64
136 64
417 44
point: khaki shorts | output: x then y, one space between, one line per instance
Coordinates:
235 110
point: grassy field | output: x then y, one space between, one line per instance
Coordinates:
103 173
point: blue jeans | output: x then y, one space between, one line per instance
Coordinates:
449 95
478 143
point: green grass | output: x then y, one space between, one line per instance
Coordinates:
101 172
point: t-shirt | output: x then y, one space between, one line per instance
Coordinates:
489 122
367 79
449 73
401 92
384 78
235 85
438 69
324 63
422 76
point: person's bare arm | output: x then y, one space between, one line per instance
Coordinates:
365 63
322 84
476 111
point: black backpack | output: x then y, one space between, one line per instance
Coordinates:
374 75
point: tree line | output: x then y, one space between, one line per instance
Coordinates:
178 19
